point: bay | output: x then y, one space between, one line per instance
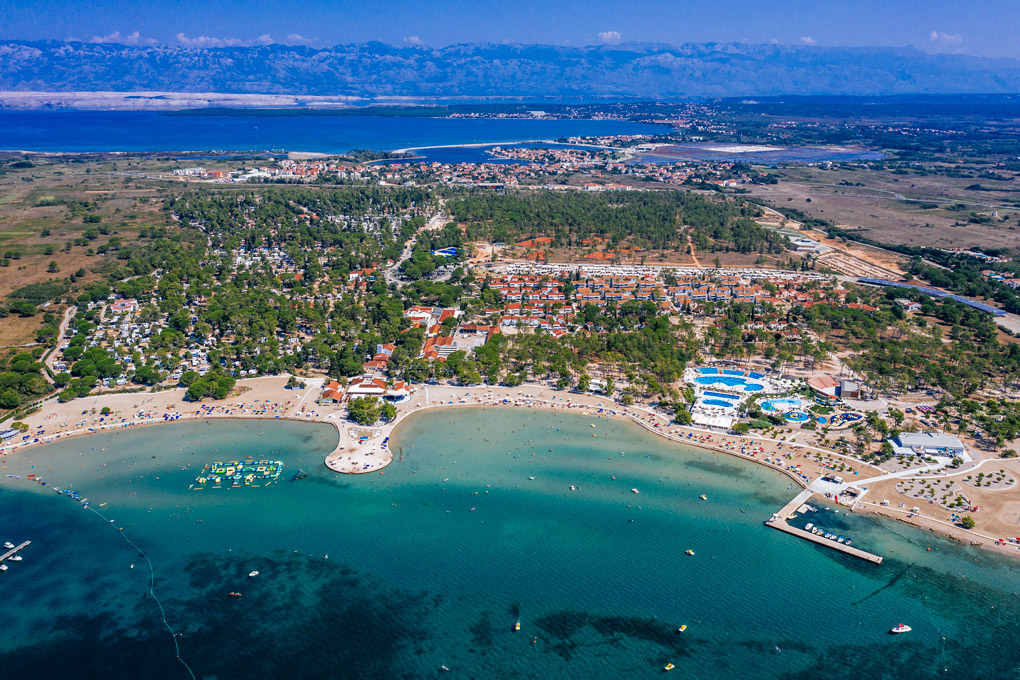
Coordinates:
128 131
431 563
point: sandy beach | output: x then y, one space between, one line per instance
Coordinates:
362 450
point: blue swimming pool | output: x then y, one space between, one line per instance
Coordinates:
797 416
755 376
721 395
708 371
718 402
730 371
780 404
729 381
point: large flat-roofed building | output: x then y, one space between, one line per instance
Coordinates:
927 444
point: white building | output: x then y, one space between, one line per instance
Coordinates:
927 444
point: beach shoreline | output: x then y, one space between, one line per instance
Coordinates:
363 450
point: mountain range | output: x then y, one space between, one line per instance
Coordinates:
483 70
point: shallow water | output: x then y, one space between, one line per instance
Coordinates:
432 562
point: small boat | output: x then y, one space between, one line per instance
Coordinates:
8 545
901 628
233 594
517 626
690 552
682 628
3 567
668 667
703 497
443 667
253 574
634 491
531 478
15 558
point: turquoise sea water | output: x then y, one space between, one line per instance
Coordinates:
432 562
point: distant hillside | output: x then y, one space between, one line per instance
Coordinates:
376 70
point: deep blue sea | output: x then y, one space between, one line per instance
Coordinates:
395 575
83 131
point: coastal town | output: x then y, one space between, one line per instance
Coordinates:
608 275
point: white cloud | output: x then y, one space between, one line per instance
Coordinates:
808 40
951 43
414 41
202 41
129 39
945 38
298 39
611 37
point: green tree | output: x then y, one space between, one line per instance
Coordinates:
9 399
363 410
967 522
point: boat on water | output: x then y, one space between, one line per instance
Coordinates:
253 574
668 667
233 594
682 628
703 497
3 567
517 626
689 552
8 545
15 558
901 628
443 667
634 491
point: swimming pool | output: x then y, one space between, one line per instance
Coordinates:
781 404
797 416
729 371
729 381
721 395
755 376
719 402
708 371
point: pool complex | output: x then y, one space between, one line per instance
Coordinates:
781 404
797 416
730 381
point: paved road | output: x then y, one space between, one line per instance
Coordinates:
68 315
436 222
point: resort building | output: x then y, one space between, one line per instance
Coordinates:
927 444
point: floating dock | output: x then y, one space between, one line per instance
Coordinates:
778 521
14 551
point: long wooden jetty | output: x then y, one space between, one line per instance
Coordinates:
778 521
14 551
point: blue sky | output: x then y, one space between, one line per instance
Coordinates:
978 27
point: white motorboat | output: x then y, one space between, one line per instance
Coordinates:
634 491
8 545
901 628
3 567
15 558
253 574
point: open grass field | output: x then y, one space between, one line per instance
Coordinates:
911 209
68 215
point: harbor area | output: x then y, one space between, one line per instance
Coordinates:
799 506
